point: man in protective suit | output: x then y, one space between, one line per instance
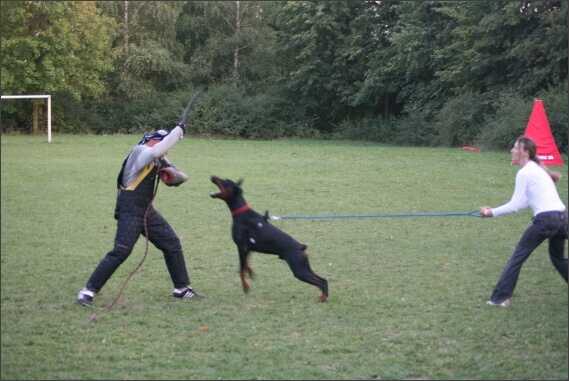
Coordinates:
135 214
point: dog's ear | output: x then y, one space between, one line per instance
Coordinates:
238 186
239 182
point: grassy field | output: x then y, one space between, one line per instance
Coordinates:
407 295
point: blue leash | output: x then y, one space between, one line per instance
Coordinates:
471 214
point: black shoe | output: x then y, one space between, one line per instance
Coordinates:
85 297
187 293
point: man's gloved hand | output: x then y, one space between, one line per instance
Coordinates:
182 126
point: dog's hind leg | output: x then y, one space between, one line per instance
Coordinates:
301 269
322 284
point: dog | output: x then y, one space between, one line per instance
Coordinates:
252 231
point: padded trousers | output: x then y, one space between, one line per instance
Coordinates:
130 226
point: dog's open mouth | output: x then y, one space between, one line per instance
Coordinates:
217 181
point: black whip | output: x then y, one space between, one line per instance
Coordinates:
202 88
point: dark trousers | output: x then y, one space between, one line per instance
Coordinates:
130 227
547 225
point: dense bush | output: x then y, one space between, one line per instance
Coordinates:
409 130
147 113
232 111
372 129
350 130
509 121
228 110
415 129
17 115
460 120
16 119
72 116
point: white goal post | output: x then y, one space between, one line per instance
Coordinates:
35 97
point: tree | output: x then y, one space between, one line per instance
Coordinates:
410 66
151 58
497 46
50 47
227 40
323 50
371 30
542 52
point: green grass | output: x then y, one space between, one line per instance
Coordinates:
407 295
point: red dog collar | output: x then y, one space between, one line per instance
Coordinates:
240 210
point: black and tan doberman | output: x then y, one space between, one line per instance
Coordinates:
252 231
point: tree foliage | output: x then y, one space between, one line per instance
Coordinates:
151 57
227 41
322 56
400 72
50 47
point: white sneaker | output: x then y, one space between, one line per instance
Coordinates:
85 297
187 293
504 304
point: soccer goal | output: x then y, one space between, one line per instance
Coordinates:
35 97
